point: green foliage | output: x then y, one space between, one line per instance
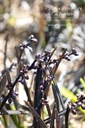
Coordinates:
82 82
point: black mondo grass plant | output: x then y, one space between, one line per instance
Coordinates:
43 67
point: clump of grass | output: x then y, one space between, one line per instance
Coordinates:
44 67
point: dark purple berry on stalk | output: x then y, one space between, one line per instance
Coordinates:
77 96
73 111
21 48
79 103
21 71
26 77
23 82
10 100
7 85
41 60
46 83
31 36
67 57
42 91
34 40
45 101
24 45
24 67
41 87
47 52
74 104
20 45
82 95
37 57
74 52
49 78
83 106
55 61
14 94
42 100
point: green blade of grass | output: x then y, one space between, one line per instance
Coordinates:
14 118
82 82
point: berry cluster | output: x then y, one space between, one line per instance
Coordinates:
73 52
26 44
23 73
78 103
47 66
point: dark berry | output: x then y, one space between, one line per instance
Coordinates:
73 111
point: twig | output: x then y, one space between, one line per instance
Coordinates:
5 51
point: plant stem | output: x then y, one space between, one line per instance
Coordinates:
6 98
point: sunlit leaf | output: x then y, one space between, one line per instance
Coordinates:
82 82
68 94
